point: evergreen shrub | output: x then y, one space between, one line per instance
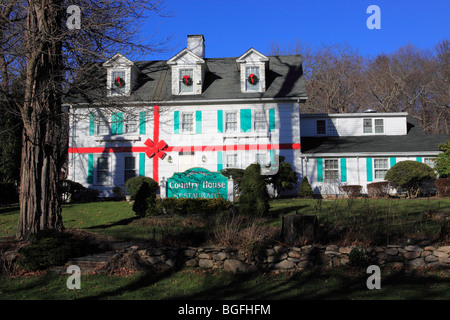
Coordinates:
305 189
254 199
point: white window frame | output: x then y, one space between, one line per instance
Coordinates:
226 121
231 164
115 91
182 87
374 125
266 125
327 169
129 119
125 169
103 120
375 169
108 180
248 71
182 122
263 159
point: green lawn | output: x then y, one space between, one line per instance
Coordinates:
118 221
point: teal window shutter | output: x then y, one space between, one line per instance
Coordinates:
120 123
142 122
114 123
90 176
271 120
419 159
246 120
393 161
176 121
142 164
319 169
91 124
369 169
220 121
219 161
198 122
343 170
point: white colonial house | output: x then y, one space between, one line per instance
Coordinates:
157 118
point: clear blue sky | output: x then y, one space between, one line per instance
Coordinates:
231 27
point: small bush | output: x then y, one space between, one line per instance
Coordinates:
118 193
378 189
352 191
305 189
68 188
133 185
254 199
443 186
145 200
358 257
409 175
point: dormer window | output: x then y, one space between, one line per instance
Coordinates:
252 66
121 75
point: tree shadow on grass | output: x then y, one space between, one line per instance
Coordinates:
122 222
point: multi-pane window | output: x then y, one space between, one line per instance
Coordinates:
131 123
381 166
260 121
187 122
102 124
331 169
379 125
252 72
367 125
231 160
321 127
230 122
130 168
186 80
116 85
102 170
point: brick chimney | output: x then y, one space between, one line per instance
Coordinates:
196 44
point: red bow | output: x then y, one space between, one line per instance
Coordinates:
251 78
155 149
186 78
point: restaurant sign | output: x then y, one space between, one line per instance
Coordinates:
197 183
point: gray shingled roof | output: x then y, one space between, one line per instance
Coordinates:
284 79
416 141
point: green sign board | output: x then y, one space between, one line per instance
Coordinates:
197 183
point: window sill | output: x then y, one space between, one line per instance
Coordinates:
247 135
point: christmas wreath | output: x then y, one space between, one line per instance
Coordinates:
187 80
252 79
119 82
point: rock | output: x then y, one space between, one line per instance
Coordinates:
171 262
220 256
191 263
154 259
285 264
188 253
205 263
391 251
412 255
440 254
431 258
346 250
204 256
294 254
416 263
235 266
429 248
413 248
279 249
331 248
445 249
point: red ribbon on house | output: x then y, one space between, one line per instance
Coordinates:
251 78
186 78
155 149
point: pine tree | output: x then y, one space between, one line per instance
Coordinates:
254 199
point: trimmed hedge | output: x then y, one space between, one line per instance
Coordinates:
378 189
352 191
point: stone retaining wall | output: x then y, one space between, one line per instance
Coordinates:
294 258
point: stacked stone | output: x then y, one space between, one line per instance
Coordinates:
295 258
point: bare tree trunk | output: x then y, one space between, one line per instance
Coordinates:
42 157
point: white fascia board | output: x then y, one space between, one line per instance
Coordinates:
370 154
